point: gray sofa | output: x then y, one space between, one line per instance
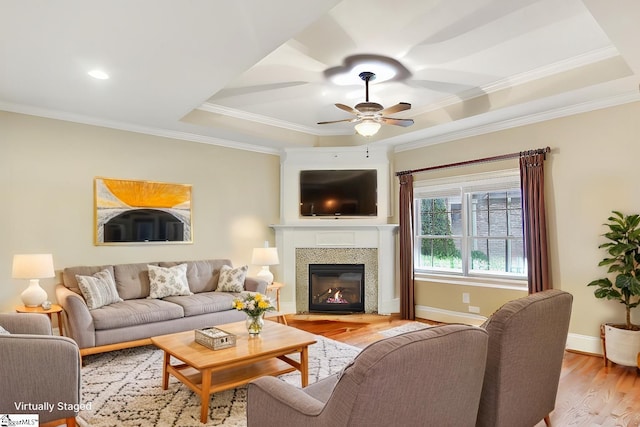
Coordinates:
134 320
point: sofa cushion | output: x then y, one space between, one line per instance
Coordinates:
132 280
98 289
69 275
232 279
167 281
204 302
201 275
3 331
135 312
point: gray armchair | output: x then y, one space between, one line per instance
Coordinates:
431 377
527 338
37 367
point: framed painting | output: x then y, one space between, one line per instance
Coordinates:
138 212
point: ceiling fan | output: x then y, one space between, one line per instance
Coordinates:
371 115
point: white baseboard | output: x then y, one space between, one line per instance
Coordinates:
448 316
389 307
584 343
576 342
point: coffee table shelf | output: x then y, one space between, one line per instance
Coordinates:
226 379
207 371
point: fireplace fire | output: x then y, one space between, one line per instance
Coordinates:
336 288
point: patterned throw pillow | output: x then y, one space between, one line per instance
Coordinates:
168 281
98 290
3 331
232 279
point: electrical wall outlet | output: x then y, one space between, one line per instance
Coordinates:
465 298
474 309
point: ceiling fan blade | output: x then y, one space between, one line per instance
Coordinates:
396 122
396 108
339 121
347 109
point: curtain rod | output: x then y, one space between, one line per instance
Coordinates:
483 160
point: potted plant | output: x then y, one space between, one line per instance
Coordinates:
621 341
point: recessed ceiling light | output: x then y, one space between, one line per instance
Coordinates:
98 74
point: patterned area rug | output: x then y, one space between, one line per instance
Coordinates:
407 327
124 388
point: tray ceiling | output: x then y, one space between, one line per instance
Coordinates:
259 75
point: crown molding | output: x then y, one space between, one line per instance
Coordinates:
556 113
269 121
129 127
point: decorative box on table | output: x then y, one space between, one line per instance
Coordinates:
214 338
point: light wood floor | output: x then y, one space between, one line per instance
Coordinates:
589 395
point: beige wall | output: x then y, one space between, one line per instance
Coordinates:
47 169
592 169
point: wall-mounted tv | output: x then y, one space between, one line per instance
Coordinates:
339 192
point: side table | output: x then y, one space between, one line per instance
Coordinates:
55 309
276 286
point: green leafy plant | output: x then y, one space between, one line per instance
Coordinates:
623 261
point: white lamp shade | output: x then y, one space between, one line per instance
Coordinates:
367 127
265 256
32 266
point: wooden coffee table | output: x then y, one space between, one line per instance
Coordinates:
207 371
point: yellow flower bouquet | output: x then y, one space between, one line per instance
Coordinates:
255 305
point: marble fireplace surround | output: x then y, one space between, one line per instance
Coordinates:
366 256
327 242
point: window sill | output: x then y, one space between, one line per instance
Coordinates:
484 282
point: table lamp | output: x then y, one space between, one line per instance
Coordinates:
33 267
265 257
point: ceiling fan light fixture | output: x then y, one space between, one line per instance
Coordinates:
367 127
372 115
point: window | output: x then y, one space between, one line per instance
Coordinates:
470 226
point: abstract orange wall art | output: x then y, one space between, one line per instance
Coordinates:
130 212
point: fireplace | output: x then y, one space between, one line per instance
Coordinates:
336 288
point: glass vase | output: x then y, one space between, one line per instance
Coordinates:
255 324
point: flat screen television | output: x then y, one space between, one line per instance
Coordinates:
339 192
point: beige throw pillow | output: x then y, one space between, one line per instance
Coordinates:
99 289
168 281
232 279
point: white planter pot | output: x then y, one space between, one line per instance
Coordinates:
622 346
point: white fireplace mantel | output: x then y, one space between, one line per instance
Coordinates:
338 234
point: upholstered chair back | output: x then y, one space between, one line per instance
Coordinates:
527 338
422 377
431 377
38 367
